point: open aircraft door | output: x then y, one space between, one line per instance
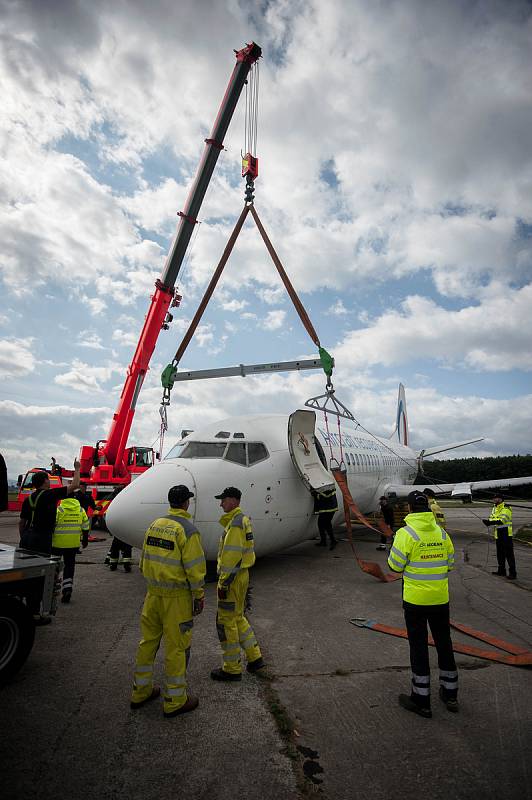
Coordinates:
302 447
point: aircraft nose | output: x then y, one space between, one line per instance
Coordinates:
145 499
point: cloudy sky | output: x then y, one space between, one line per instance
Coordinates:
395 152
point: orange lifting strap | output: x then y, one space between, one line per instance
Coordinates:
371 567
519 656
298 305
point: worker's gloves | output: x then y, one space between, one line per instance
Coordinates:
198 605
222 593
85 541
486 522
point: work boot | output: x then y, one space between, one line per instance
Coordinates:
127 567
320 544
67 594
189 705
405 701
511 577
40 621
222 675
499 573
113 567
381 547
451 705
254 666
333 544
155 692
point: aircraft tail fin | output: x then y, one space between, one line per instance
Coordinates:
401 433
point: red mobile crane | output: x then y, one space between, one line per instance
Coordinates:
109 465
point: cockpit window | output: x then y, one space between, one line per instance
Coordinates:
204 450
223 435
256 452
236 452
239 436
176 451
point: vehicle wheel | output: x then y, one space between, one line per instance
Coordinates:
17 632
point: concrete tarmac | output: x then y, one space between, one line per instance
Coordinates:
323 721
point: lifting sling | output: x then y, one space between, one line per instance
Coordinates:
371 567
519 657
327 361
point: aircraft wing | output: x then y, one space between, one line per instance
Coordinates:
457 490
442 448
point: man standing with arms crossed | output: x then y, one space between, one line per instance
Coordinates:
173 563
424 553
236 554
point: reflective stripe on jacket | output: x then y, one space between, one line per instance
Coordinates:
424 553
236 550
172 559
70 522
502 514
325 502
436 509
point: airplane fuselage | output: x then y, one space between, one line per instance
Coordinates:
252 453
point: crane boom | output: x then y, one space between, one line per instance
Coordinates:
106 461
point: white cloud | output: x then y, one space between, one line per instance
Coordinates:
16 358
418 166
91 340
494 336
274 320
95 304
85 378
338 309
234 305
272 296
125 338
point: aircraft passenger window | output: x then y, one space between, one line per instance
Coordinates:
204 450
256 452
236 452
357 461
222 435
347 459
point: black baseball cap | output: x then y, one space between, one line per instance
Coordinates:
178 494
418 501
230 491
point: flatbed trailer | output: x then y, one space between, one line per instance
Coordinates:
25 576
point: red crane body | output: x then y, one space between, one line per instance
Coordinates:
110 465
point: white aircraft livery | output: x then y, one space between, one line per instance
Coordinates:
276 461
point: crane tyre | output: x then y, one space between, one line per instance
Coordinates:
17 632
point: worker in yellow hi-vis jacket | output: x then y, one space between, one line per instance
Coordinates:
71 528
435 507
173 563
236 554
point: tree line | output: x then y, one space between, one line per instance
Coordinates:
458 470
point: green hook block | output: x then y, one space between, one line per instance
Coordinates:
166 377
327 361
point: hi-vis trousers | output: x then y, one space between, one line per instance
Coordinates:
234 631
171 618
